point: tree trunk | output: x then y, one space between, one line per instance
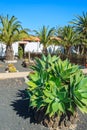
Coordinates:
9 53
44 50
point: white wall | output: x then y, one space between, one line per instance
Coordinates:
33 47
15 48
30 47
55 49
2 49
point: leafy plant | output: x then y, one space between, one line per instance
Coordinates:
57 86
20 52
11 68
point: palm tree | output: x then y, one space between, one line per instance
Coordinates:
67 36
45 34
10 31
80 25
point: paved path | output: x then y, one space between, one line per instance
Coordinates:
13 75
84 71
22 74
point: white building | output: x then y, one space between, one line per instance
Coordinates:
29 47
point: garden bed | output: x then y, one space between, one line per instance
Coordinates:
18 66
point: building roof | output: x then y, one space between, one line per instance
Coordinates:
31 39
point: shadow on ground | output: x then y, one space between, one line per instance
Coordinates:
21 106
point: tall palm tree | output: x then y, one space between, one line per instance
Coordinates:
10 31
80 25
45 34
67 36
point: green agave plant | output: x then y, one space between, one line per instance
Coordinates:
57 86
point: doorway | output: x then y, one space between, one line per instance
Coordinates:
22 46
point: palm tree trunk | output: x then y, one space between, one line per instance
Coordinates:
9 53
45 50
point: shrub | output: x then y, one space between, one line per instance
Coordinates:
57 86
25 63
11 68
10 65
20 52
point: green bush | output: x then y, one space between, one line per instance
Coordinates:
57 86
20 52
11 68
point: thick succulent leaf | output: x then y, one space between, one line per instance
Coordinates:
68 72
81 105
61 107
55 106
83 109
47 100
39 102
48 94
84 94
84 100
43 58
48 111
77 94
31 85
35 76
83 84
54 58
71 107
62 95
33 104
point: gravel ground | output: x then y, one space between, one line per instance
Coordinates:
14 113
18 66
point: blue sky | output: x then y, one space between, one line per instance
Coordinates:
33 14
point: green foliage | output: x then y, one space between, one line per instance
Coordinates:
20 52
80 26
68 37
11 30
58 86
45 34
11 68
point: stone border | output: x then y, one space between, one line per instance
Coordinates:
10 61
23 74
13 75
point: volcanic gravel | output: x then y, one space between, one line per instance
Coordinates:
18 66
14 112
